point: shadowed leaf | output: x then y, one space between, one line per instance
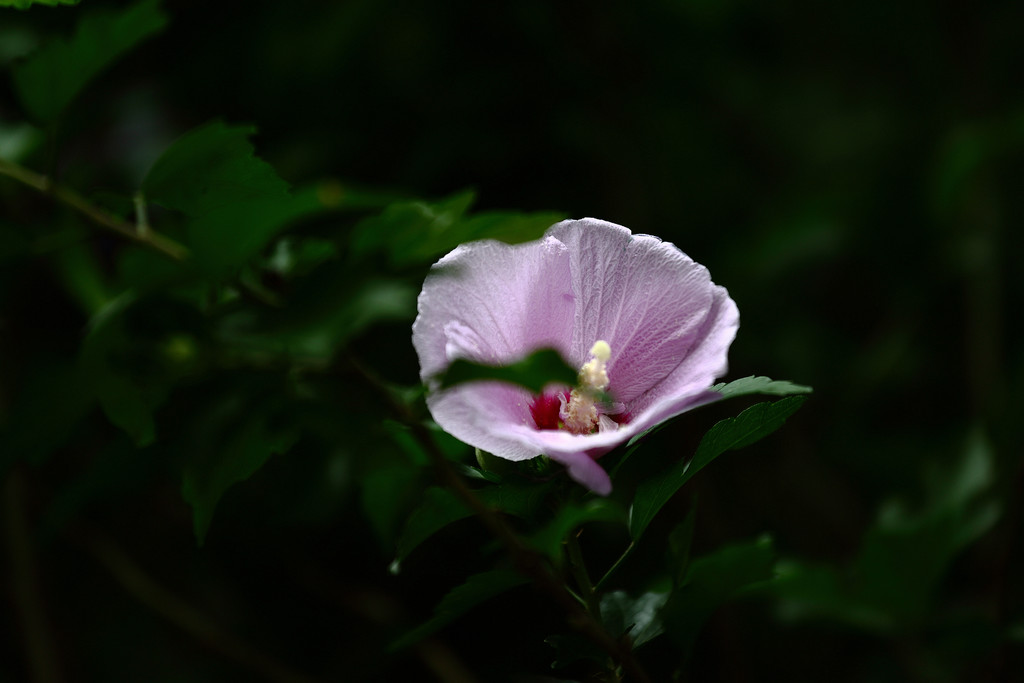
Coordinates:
461 599
713 580
52 76
25 4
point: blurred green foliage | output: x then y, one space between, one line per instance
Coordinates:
850 172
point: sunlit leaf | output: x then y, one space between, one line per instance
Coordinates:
292 257
534 372
52 76
477 589
639 617
749 426
759 385
18 140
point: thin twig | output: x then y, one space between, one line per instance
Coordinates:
183 615
105 219
527 561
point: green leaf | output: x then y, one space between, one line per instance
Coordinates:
231 234
414 232
752 424
639 617
519 499
534 372
812 591
126 398
386 497
713 580
52 76
319 320
759 385
402 227
295 257
569 517
236 201
25 4
18 140
440 507
739 387
461 599
235 433
136 352
905 554
210 167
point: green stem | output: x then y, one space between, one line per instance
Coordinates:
104 219
611 570
527 561
579 573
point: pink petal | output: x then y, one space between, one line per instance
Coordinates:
646 298
705 360
494 303
586 471
668 325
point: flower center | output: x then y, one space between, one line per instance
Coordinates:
585 409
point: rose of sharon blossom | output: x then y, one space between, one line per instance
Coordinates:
644 323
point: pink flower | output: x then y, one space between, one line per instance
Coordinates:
644 323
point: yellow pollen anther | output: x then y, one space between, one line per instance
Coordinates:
580 414
594 374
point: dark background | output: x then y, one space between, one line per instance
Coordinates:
851 172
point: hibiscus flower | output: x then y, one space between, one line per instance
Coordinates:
648 329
